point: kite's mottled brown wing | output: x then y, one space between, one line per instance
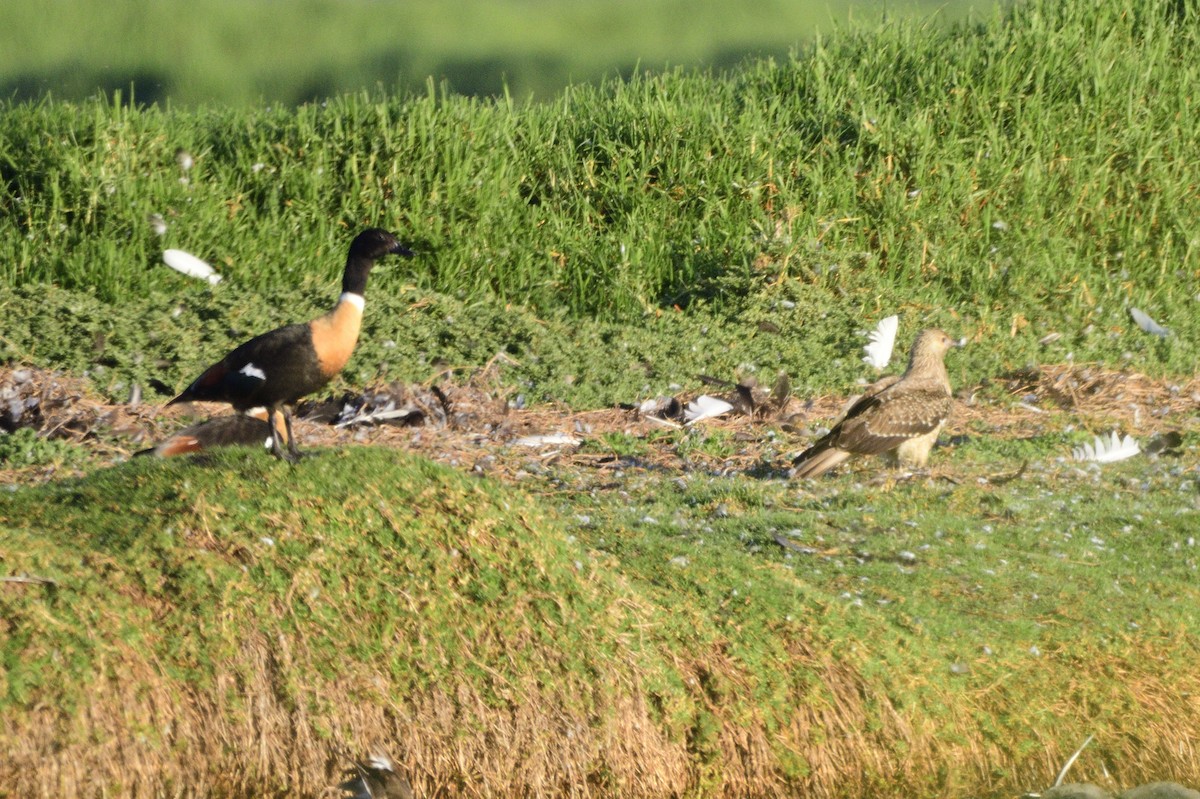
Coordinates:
881 423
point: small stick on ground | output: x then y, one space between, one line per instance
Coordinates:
29 580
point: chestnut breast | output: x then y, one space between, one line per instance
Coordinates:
335 334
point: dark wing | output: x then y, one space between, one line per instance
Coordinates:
263 360
219 383
882 422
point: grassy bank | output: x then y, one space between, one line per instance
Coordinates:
244 627
1007 181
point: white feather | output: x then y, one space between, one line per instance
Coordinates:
385 414
705 407
190 265
651 406
1146 323
1114 448
881 341
549 439
381 762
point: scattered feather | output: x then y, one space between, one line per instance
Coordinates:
190 265
29 579
662 411
1008 478
381 761
787 543
1109 450
1146 323
1167 443
363 414
719 382
396 404
744 399
881 342
661 422
651 407
376 778
1071 760
157 224
705 407
548 440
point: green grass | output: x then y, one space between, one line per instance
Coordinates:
24 447
1005 181
412 335
227 52
183 536
968 608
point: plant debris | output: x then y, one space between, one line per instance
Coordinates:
470 420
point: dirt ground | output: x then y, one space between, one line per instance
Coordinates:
474 421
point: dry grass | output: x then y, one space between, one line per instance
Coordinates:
451 742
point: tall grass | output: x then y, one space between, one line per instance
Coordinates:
1027 175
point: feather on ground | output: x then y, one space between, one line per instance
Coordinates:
1109 450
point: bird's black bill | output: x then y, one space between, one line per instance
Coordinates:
399 249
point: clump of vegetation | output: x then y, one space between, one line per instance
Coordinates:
24 447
